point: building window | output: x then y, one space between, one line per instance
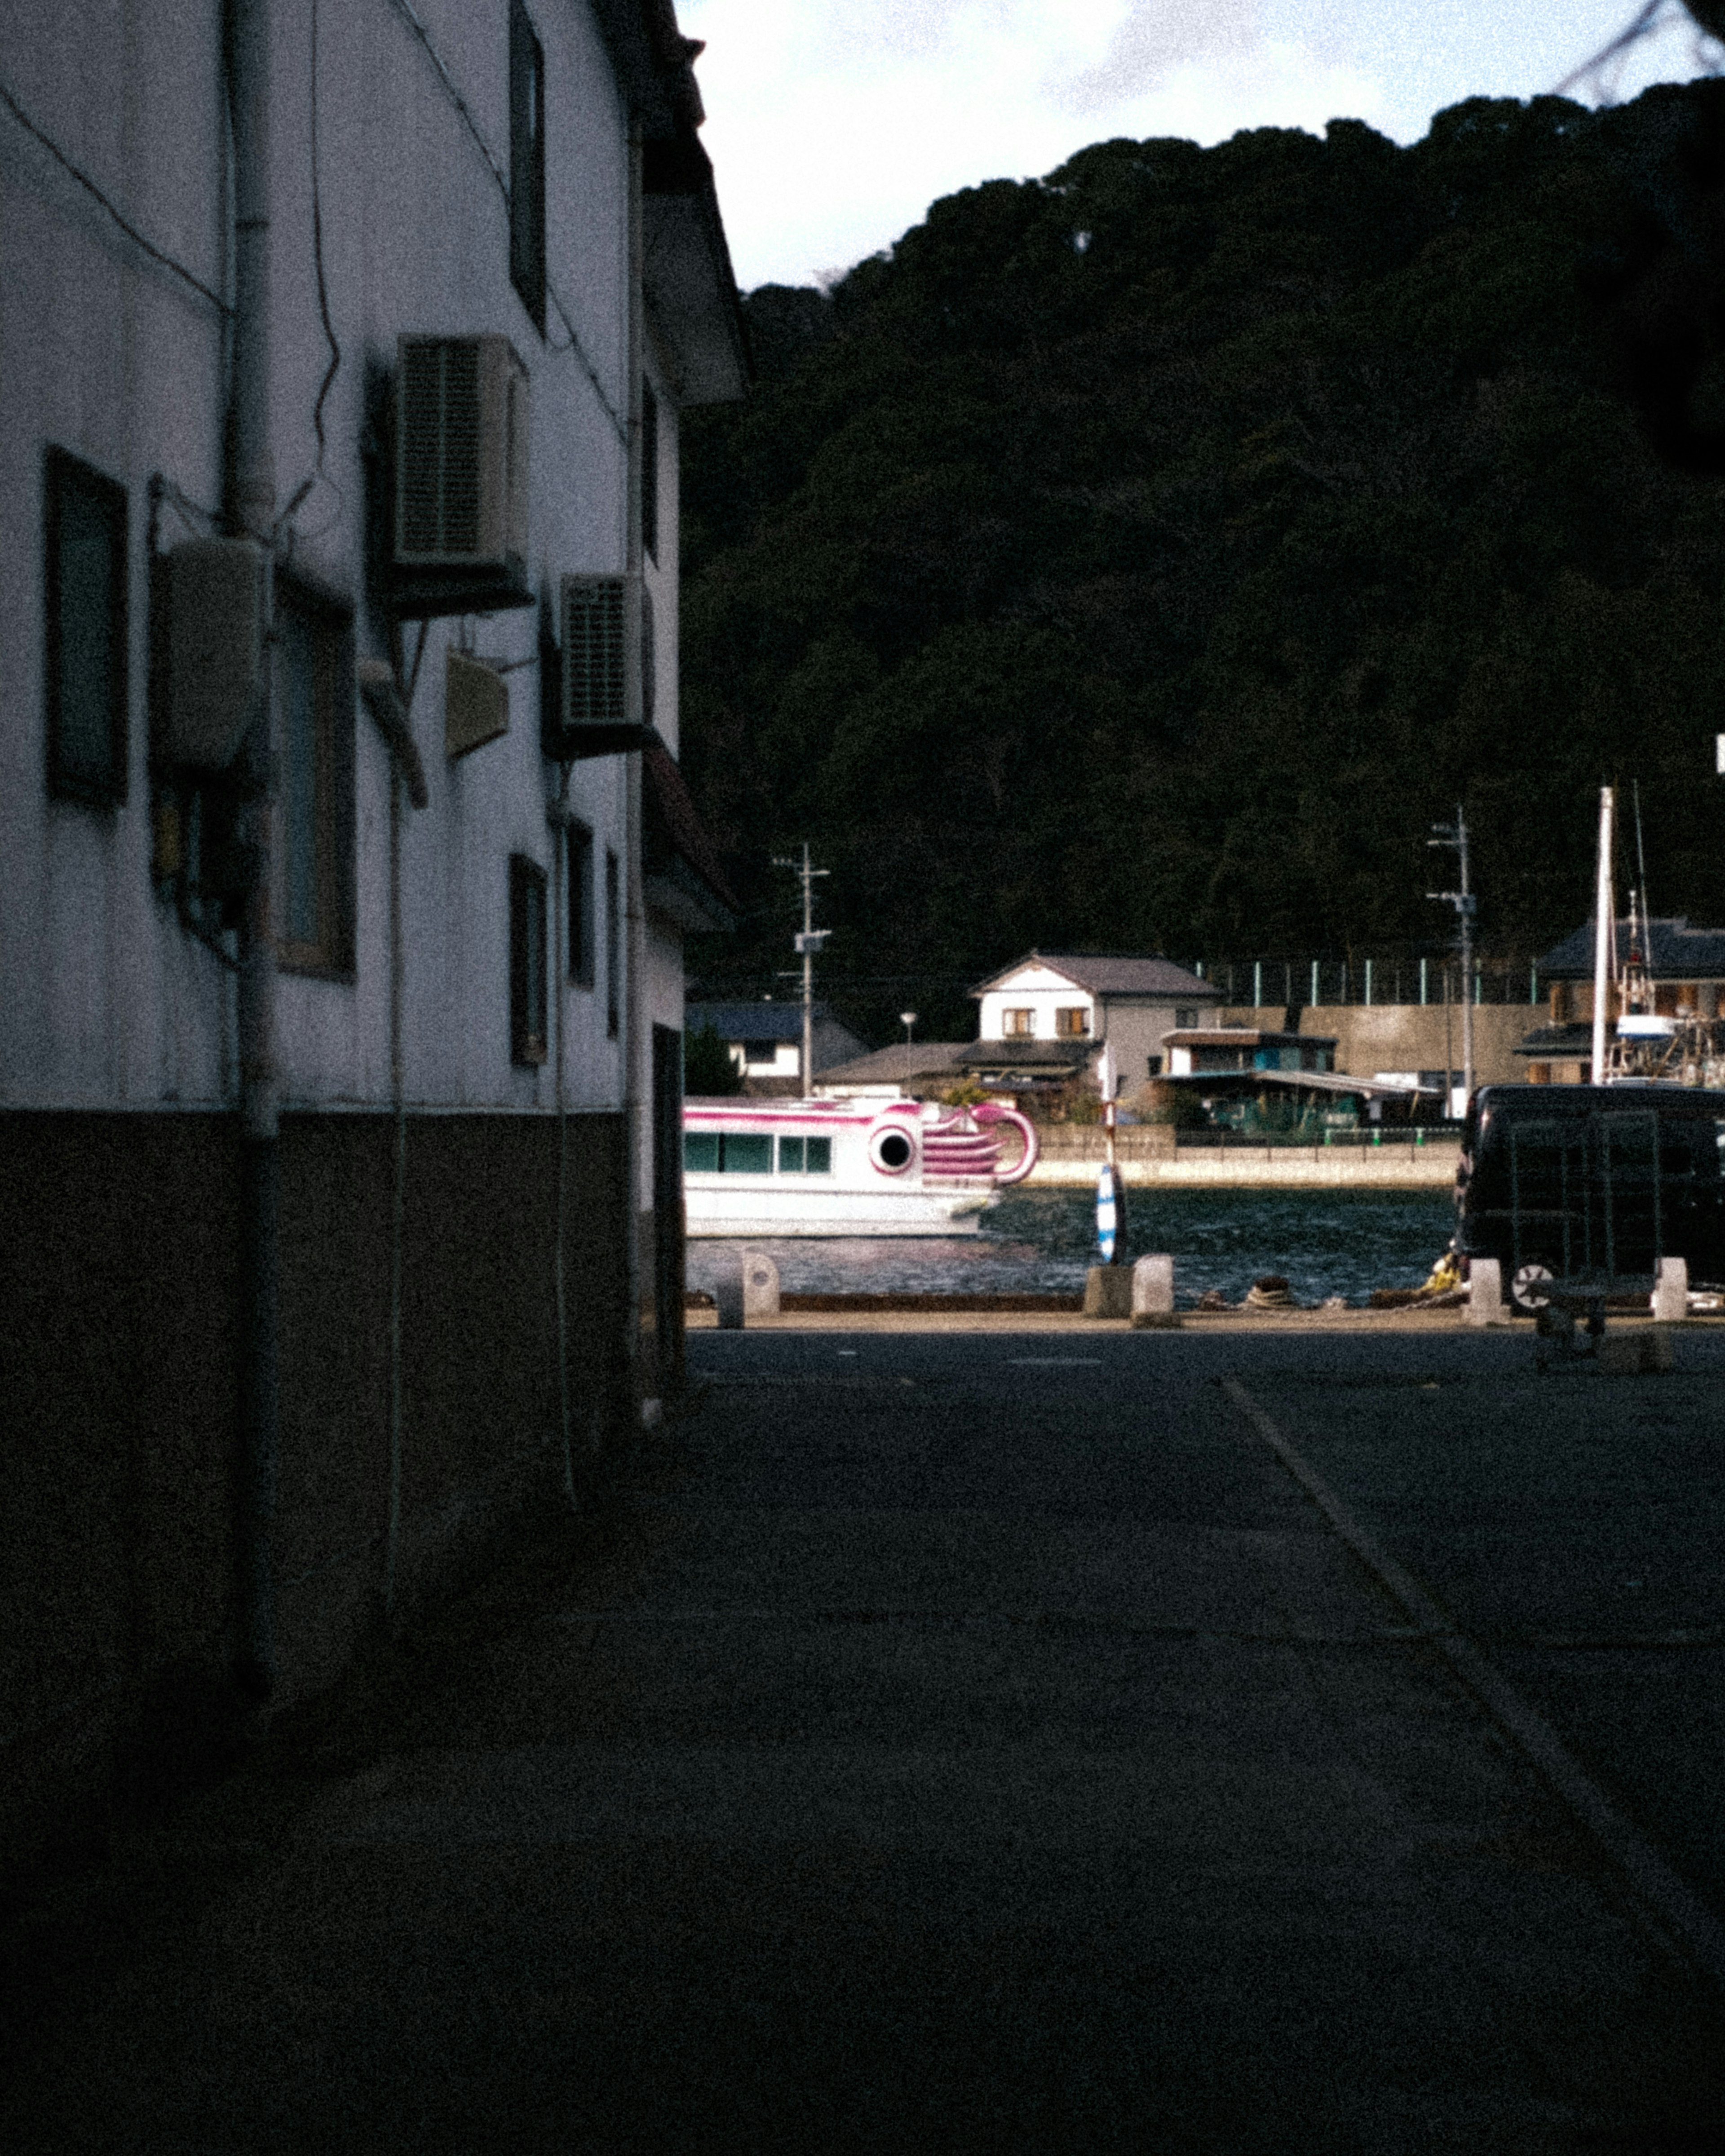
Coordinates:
1184 1020
1072 1021
314 751
526 163
1017 1024
1154 1066
581 939
649 469
85 664
527 1027
614 945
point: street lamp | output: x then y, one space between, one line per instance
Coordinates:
907 1020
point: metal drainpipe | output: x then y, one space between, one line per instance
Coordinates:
250 492
632 939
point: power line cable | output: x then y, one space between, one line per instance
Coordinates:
406 11
124 223
323 303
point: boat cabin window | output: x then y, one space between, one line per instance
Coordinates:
727 1153
805 1156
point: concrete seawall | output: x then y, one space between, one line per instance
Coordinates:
1400 1166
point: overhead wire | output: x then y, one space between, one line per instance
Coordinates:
124 223
334 367
405 9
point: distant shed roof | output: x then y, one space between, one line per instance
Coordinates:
1103 974
900 1065
760 1021
1674 952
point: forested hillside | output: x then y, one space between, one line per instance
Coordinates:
1141 558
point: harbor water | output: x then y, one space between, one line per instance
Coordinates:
1331 1243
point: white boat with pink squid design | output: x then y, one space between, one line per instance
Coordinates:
849 1167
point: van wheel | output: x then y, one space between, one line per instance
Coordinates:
1527 1288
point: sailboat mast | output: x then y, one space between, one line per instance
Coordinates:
1605 933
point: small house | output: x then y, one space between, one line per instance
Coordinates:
1066 1009
764 1041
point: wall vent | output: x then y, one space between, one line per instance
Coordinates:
475 705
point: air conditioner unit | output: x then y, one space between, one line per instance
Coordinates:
462 436
215 651
599 664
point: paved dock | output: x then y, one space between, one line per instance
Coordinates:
986 1741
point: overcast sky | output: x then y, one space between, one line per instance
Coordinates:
833 124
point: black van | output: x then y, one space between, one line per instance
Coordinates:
1592 1183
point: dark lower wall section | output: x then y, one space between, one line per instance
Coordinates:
118 1342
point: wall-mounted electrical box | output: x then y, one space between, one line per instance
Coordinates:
215 651
475 705
462 440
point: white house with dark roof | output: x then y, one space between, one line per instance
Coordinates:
1088 1001
765 1040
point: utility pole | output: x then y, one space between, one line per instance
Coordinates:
1454 836
807 945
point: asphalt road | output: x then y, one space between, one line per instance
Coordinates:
975 1743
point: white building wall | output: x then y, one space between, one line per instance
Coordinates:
104 998
1037 989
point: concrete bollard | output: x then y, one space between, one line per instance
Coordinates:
1671 1292
1108 1291
760 1286
1153 1295
727 1294
1485 1292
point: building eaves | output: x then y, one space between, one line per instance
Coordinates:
679 861
1102 974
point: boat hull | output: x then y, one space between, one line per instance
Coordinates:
833 1213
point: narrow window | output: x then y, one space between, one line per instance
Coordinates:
649 469
820 1156
314 750
581 905
85 661
614 945
526 961
526 163
792 1154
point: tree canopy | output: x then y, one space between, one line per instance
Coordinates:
1141 558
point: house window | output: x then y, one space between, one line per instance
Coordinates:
1154 1066
758 1052
1017 1024
1184 1020
526 961
526 163
581 905
649 469
314 752
614 945
1072 1021
84 662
